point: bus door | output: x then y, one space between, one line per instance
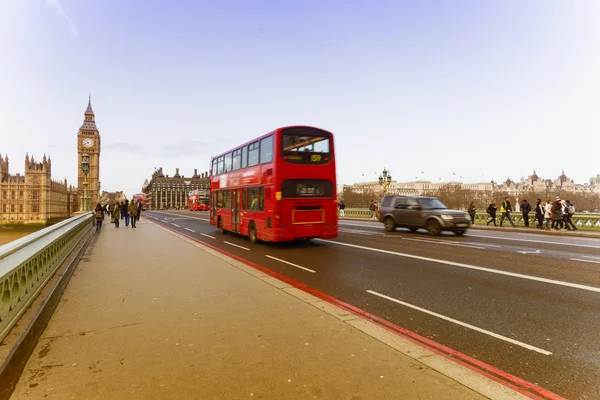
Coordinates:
235 209
213 213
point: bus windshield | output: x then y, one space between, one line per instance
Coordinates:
306 146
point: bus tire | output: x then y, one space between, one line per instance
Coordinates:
220 225
252 233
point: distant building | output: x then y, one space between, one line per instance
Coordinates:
165 192
112 198
34 196
532 183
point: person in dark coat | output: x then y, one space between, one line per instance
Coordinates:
472 211
491 210
525 209
539 213
125 212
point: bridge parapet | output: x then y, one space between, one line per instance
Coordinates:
27 264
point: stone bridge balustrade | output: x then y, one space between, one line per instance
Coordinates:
27 264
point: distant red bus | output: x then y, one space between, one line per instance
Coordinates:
141 197
277 187
198 200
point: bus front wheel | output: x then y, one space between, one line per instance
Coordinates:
252 233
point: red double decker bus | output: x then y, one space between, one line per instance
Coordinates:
198 200
278 187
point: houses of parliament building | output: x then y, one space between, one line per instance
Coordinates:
35 197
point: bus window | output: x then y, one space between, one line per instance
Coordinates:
261 198
244 156
253 154
227 199
253 199
214 167
220 165
227 163
237 159
220 199
244 199
266 150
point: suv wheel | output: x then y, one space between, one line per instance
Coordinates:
433 227
389 224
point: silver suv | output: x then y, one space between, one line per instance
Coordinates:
414 212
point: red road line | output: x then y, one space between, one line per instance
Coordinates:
520 385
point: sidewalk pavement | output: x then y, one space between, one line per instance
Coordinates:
151 315
508 228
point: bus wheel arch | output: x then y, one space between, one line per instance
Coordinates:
252 234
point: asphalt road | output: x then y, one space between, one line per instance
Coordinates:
524 303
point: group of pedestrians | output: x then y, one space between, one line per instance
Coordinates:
128 211
555 215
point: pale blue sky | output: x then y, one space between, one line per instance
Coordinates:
485 89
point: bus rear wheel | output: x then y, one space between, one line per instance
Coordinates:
220 225
252 233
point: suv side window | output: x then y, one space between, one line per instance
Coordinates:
400 204
387 202
412 204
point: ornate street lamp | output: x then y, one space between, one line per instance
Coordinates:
85 168
385 178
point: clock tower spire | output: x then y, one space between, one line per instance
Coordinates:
88 144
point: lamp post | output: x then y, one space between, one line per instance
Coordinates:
385 178
85 168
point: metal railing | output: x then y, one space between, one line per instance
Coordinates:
27 264
587 220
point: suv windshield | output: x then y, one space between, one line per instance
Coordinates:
431 204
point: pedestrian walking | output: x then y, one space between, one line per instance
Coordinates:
342 208
139 210
548 213
372 208
472 211
525 209
568 214
557 215
506 209
99 212
491 210
133 213
115 213
539 213
125 212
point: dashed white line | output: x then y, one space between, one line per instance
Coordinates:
536 241
289 263
595 258
208 236
185 216
587 261
461 265
475 328
236 245
188 229
175 225
447 244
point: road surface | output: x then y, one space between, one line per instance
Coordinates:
524 303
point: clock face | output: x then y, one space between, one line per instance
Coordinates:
87 142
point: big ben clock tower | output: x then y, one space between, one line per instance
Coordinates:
88 144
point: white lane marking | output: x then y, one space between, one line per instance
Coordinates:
497 237
529 252
175 225
289 263
468 266
184 216
536 241
442 242
475 328
595 258
188 229
208 236
587 261
357 232
236 245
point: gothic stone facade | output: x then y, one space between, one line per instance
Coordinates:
34 197
164 192
88 143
